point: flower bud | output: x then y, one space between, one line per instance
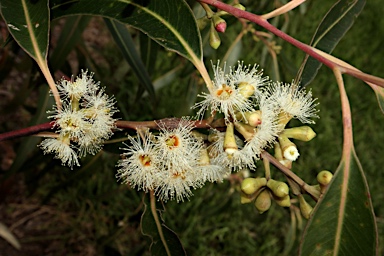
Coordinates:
219 23
230 145
246 89
245 199
303 133
263 201
283 201
246 130
214 38
324 178
305 208
279 189
202 22
288 148
251 185
251 118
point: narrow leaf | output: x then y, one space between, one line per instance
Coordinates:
69 36
331 29
379 91
169 22
343 222
7 235
28 23
150 229
127 47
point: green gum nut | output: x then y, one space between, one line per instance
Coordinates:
278 188
283 201
305 208
263 201
303 133
251 185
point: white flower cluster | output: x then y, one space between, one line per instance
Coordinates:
174 161
83 123
170 163
258 109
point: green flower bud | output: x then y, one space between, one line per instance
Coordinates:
278 188
263 201
324 177
245 199
283 201
246 130
246 89
251 118
219 23
305 208
303 133
214 38
251 185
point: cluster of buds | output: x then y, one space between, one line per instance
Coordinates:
83 123
217 24
262 192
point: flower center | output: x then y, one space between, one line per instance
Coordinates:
225 92
145 160
172 141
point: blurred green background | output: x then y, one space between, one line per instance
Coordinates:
57 211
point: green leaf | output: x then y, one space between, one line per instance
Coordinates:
69 36
343 222
125 42
169 22
28 22
379 91
331 29
149 228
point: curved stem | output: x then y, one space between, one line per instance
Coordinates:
157 221
313 52
307 188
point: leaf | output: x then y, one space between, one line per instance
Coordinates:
28 22
343 222
69 36
169 22
125 42
7 235
149 228
379 91
331 29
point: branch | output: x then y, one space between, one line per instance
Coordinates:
311 51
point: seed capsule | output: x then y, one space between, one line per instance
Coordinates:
252 185
324 177
279 189
263 201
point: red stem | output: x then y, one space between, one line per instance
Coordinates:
169 123
304 47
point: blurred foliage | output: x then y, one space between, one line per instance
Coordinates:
91 214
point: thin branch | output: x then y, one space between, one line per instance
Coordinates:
158 224
283 9
311 51
307 188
